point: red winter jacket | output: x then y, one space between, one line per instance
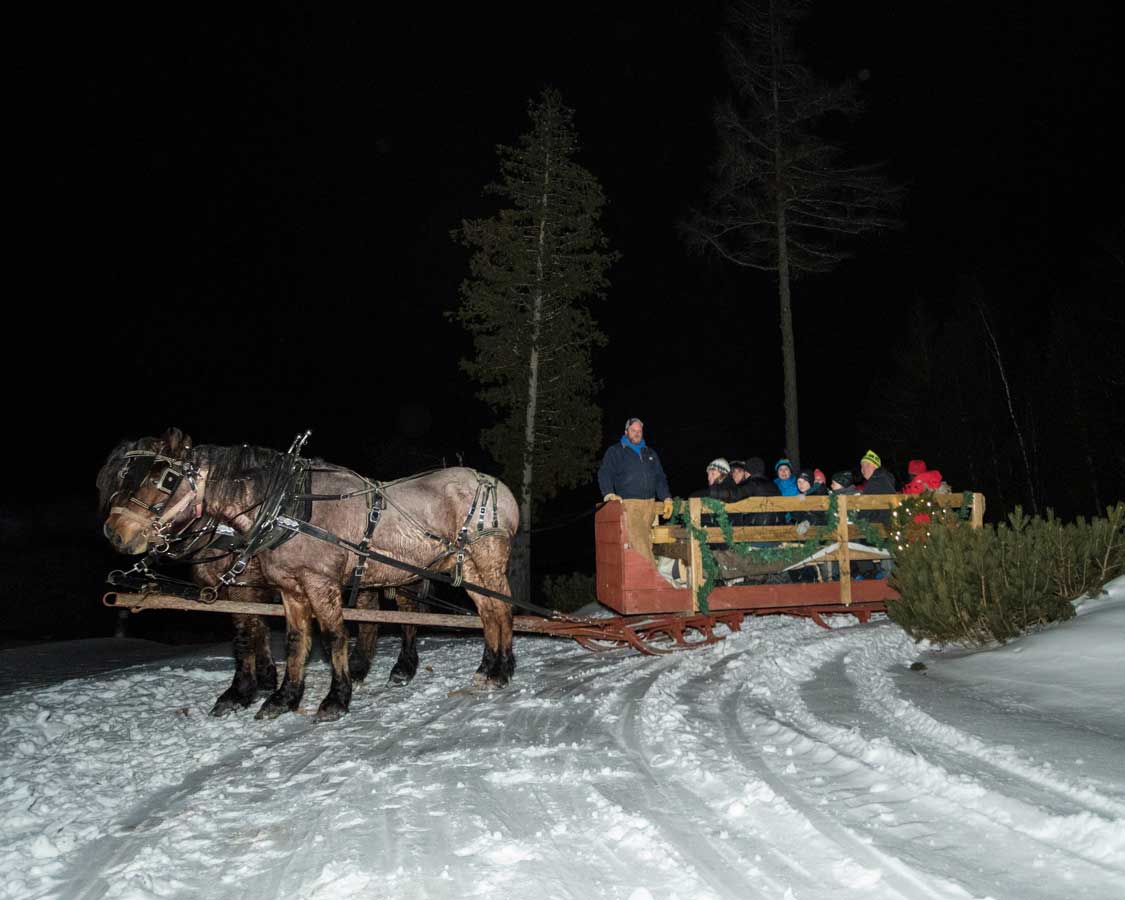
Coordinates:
923 481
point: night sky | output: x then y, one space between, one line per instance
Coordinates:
239 222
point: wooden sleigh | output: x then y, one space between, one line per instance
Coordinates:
629 583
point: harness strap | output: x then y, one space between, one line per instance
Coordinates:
306 528
373 512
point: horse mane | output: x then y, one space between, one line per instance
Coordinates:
237 472
107 481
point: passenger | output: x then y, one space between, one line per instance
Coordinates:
632 474
738 474
718 473
843 482
878 481
921 479
810 487
818 477
738 471
756 484
785 481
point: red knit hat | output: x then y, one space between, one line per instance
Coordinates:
916 467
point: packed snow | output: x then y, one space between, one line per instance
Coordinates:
786 761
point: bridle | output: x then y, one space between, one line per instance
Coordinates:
162 517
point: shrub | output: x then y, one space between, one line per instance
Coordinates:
994 583
566 593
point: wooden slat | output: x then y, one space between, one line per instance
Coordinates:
844 552
855 501
977 518
695 506
666 534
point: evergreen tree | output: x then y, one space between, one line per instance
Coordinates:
536 266
782 192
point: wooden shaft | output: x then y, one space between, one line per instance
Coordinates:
141 602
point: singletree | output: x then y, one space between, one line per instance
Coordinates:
783 193
536 266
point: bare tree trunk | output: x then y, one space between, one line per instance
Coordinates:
1011 410
788 345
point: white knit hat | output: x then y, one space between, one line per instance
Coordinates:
720 464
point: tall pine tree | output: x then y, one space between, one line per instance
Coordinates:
536 266
782 193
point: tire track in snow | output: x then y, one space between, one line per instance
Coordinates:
669 804
977 808
881 699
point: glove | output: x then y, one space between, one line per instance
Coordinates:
803 528
609 497
668 507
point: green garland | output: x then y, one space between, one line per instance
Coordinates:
786 555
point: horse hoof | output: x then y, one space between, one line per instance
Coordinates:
496 682
399 677
231 700
330 711
225 707
273 708
480 680
358 673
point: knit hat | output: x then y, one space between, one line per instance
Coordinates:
916 467
872 457
782 462
807 475
720 465
755 465
738 464
818 476
844 478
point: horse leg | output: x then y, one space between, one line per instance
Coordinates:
266 669
325 598
406 666
498 663
359 659
249 673
297 641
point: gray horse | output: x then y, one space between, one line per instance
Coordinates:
420 525
130 462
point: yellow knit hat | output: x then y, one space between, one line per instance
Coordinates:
872 457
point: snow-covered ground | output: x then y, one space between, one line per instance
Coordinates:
784 762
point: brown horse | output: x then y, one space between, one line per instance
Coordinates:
128 465
420 524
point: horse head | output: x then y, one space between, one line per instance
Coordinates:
151 490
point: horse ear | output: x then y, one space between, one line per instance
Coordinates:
177 442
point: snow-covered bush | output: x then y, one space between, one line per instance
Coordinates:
991 584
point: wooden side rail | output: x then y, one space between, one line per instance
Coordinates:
629 583
845 532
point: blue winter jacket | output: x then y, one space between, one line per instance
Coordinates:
632 475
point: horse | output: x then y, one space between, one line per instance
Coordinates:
127 466
423 521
